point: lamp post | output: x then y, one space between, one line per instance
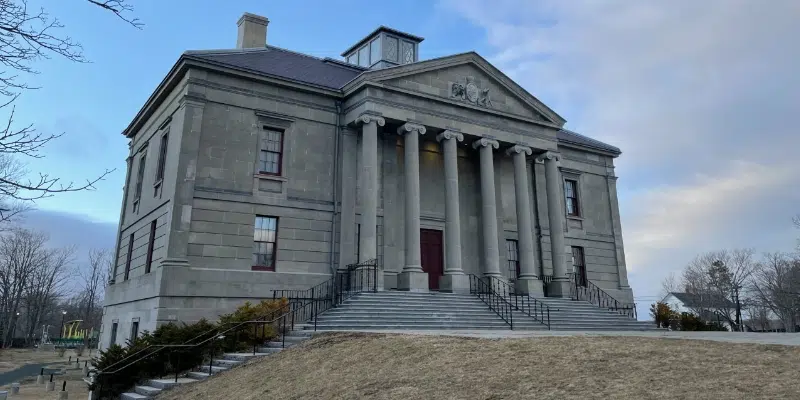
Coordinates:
14 329
63 314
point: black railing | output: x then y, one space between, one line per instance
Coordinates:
206 344
303 306
482 288
522 302
355 279
585 290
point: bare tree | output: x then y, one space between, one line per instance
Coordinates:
717 279
670 284
93 279
26 36
46 285
21 252
776 285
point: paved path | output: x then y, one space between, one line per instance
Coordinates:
24 371
789 339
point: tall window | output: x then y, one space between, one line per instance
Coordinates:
571 195
134 330
269 158
512 254
113 339
579 265
264 241
139 179
128 258
150 244
162 161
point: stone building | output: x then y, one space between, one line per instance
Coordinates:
259 168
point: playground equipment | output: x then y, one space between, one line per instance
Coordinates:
72 335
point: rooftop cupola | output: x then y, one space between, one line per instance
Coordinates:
383 48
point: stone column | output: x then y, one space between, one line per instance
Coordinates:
454 279
491 251
555 211
412 278
368 243
527 282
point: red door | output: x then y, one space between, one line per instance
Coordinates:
432 256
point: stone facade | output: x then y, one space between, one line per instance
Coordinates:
488 161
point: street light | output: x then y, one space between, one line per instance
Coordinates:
63 314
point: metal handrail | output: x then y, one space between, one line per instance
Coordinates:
528 305
594 295
500 305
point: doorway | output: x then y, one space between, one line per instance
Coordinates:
432 254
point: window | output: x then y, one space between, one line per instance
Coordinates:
512 254
579 266
352 59
134 330
113 340
363 56
128 258
139 178
271 156
264 242
571 195
375 50
150 244
162 160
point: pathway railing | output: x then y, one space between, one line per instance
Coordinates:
499 304
585 290
522 302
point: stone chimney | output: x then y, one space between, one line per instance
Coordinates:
252 31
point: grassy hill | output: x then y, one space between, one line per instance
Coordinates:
355 366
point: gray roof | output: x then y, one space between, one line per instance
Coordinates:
570 137
328 73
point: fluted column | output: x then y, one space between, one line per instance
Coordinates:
412 277
454 279
555 212
368 243
489 207
527 282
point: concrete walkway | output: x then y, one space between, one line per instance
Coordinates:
25 371
788 339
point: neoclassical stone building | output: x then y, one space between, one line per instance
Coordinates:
258 168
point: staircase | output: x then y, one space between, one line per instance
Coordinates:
394 310
152 387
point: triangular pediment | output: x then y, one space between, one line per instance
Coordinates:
468 79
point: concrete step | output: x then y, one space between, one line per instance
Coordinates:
226 363
242 357
414 307
277 344
168 383
133 396
198 375
410 327
421 303
215 369
146 390
270 350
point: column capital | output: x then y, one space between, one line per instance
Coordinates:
410 127
519 149
367 118
483 142
548 156
448 134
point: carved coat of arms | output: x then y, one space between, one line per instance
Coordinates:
469 91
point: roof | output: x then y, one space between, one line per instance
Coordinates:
570 137
330 74
703 300
271 60
385 29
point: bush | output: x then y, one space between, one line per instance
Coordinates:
663 315
138 361
61 351
79 350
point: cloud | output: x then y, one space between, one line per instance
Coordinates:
701 97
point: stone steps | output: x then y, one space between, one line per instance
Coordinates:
153 387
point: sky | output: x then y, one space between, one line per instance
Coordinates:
701 97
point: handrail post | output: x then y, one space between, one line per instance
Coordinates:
283 332
211 359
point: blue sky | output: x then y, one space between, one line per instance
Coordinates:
701 97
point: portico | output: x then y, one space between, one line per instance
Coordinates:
488 151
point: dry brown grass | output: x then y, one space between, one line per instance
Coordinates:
354 366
